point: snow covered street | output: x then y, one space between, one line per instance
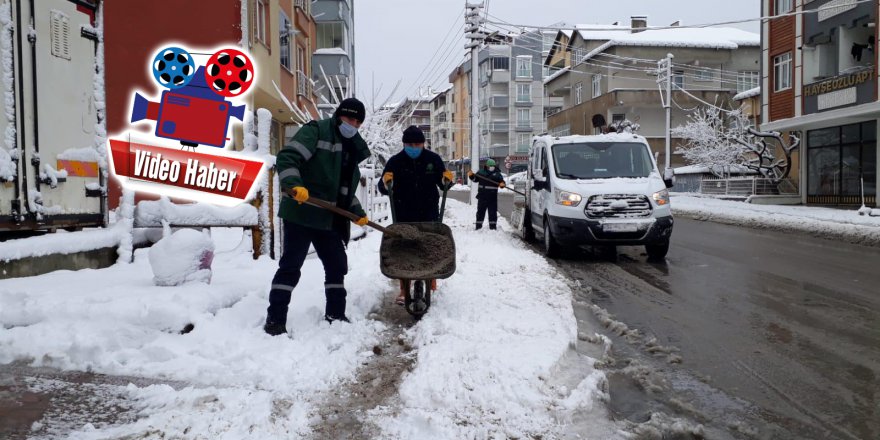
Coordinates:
484 358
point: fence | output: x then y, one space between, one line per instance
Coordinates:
745 186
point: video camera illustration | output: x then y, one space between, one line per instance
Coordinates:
193 109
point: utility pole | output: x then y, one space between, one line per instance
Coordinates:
473 20
664 74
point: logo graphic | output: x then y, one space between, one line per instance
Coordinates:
193 111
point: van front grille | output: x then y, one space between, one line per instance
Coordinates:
618 206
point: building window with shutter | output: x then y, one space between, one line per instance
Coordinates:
782 72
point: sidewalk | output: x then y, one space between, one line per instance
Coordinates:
834 224
496 332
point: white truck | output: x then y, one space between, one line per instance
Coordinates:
50 166
602 190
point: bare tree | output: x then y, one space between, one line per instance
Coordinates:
762 157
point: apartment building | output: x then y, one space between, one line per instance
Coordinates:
819 80
442 129
608 73
417 112
460 106
333 60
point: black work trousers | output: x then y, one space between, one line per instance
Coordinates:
330 249
487 204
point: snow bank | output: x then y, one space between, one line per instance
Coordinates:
751 93
152 212
834 224
491 339
182 257
48 244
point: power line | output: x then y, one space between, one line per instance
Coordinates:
695 26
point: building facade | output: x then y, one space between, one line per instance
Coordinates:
819 81
417 112
460 117
333 60
611 73
441 124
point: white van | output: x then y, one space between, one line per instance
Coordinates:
600 190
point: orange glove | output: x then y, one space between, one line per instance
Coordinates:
300 194
448 177
470 173
362 221
502 185
387 177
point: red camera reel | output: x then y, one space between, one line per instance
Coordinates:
229 72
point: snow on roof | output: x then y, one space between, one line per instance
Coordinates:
579 139
707 38
556 74
152 212
601 31
331 51
748 94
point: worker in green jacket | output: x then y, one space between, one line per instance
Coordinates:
320 161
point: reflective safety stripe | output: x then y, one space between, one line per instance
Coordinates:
488 187
334 286
290 172
299 148
282 287
333 148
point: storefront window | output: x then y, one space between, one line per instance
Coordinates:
839 160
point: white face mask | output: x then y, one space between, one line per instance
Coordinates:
491 168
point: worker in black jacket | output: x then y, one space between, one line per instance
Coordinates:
415 175
489 180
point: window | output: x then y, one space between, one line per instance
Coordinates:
549 39
597 86
782 72
838 160
783 6
524 66
305 5
284 33
523 93
500 63
545 71
578 93
618 118
522 142
746 81
524 118
301 59
262 19
678 79
705 75
331 35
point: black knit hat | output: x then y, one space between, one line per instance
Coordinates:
413 135
351 108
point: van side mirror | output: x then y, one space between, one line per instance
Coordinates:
669 177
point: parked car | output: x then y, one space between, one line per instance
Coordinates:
600 190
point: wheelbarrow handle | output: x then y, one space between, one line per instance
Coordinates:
323 204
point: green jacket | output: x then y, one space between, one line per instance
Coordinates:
313 159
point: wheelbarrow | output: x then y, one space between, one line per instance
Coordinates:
417 262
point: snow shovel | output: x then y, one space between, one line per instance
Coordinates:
323 204
496 183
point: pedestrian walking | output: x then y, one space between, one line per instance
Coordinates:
415 176
489 179
320 161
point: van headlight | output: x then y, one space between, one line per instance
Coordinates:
661 198
568 198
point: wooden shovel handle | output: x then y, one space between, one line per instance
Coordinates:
323 204
496 183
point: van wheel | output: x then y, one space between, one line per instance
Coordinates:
528 229
657 251
551 248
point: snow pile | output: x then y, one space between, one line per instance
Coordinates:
153 212
58 244
87 154
495 331
873 212
751 93
52 176
834 224
182 257
7 166
331 51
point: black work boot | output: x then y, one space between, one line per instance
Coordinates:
331 319
479 226
274 328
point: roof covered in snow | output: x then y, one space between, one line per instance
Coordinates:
601 31
331 51
748 94
556 74
704 38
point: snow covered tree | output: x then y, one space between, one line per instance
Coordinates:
716 139
762 156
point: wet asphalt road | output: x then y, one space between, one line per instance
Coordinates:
779 334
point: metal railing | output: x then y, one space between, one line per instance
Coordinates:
303 84
302 4
746 186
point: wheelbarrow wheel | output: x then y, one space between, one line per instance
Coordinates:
418 298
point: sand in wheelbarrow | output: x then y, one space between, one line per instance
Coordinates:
418 254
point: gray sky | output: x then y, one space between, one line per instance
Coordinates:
398 39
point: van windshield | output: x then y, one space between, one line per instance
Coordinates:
602 160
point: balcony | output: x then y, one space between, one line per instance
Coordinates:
303 4
499 101
499 126
500 76
303 84
524 126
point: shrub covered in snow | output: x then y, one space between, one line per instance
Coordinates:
181 257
